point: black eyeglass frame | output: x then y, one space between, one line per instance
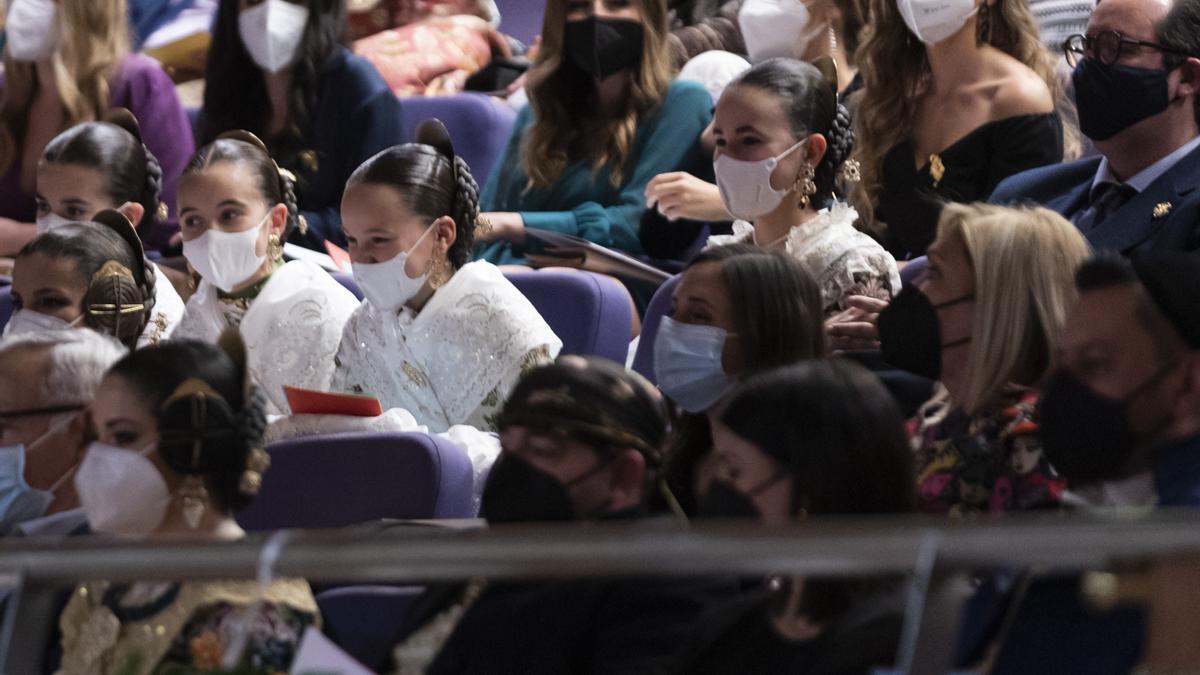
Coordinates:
1078 47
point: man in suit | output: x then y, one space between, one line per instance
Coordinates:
1136 77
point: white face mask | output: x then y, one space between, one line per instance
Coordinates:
687 364
28 321
746 186
272 31
386 285
776 28
932 21
32 29
121 491
226 259
51 221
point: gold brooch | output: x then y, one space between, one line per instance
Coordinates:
936 168
1161 210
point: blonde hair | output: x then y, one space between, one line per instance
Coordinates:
896 76
568 125
1024 262
93 38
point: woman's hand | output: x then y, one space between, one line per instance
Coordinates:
681 195
505 225
855 329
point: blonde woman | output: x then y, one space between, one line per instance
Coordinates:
957 96
981 322
604 118
65 62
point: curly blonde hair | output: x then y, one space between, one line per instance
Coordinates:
94 38
568 124
896 76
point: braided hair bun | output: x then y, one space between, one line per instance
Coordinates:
120 300
152 183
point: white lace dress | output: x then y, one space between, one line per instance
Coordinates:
456 361
843 260
168 311
291 328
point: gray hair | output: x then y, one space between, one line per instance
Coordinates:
79 359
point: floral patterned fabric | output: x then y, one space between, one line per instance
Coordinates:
992 462
368 17
274 635
433 57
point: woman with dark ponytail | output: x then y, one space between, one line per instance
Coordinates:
87 275
444 338
179 452
104 165
236 209
783 141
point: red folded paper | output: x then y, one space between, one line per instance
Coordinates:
310 402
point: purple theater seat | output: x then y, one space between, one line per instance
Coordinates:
478 124
6 307
521 19
366 621
347 280
345 479
590 313
660 305
912 270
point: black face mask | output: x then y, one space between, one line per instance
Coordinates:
910 333
519 492
723 500
602 47
1086 436
1113 98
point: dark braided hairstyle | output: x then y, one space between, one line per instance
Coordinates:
113 147
277 186
210 419
811 105
433 181
108 257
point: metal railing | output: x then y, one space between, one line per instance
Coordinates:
938 554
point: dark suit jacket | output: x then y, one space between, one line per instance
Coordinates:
1064 188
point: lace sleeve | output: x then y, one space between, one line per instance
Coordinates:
484 416
871 274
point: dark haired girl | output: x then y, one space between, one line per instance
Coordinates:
782 143
236 208
277 68
440 337
178 452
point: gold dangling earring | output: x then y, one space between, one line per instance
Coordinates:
807 186
194 502
274 247
439 271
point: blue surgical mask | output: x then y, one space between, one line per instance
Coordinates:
687 364
18 501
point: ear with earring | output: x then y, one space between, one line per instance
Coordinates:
274 247
439 269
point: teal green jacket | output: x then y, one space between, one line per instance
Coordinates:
584 202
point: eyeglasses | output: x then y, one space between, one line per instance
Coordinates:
1107 47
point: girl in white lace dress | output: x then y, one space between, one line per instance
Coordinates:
782 141
235 210
442 338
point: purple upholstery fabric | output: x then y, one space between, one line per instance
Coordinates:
660 305
366 621
479 126
6 307
590 313
521 19
347 280
913 269
344 479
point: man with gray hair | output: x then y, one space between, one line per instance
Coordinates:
47 380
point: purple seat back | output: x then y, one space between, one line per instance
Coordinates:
521 19
6 308
479 126
590 313
912 270
348 282
345 479
366 621
660 305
